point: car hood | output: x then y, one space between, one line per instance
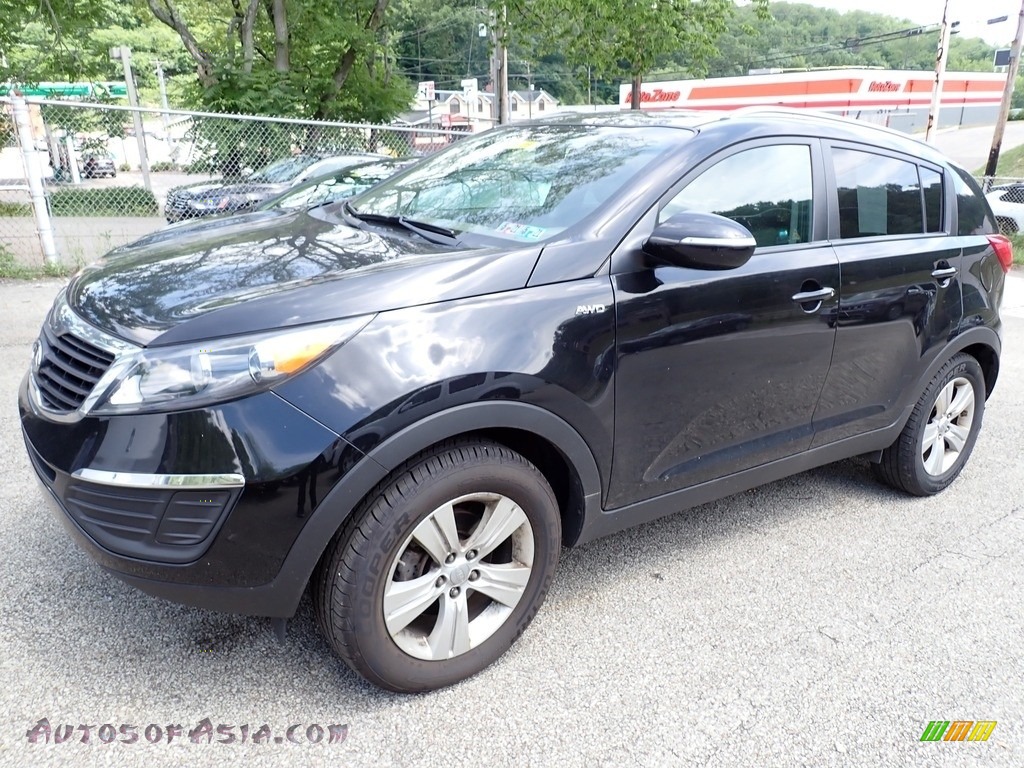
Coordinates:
280 271
191 230
205 189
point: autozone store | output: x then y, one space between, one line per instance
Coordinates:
898 99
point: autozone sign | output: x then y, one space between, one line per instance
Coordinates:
655 96
833 89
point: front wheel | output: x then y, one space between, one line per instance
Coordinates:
941 431
441 568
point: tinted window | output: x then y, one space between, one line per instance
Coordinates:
766 189
972 211
877 195
932 184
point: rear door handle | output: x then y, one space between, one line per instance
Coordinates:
944 273
808 297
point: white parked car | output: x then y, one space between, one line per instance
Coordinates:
1007 201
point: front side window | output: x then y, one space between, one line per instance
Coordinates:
878 195
766 189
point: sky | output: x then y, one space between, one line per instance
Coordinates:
972 14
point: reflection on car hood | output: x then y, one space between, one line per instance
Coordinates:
276 271
205 189
199 228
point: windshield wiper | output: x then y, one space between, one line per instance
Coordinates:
424 229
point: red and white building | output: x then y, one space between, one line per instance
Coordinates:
899 99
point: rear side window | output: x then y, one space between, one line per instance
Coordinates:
972 210
766 189
878 195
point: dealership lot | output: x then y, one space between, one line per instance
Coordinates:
821 620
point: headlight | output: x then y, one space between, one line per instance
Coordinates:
240 201
177 378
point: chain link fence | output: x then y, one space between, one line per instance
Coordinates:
111 174
19 242
1006 197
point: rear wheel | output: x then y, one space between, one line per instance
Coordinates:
940 434
441 569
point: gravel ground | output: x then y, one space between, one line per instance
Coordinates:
820 621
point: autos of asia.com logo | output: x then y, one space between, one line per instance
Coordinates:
205 732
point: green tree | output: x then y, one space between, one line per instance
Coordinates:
632 37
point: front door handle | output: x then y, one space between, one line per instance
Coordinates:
809 297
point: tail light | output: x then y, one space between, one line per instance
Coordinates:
1004 250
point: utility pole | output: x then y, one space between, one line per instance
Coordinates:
529 80
125 54
1004 107
163 96
940 75
499 68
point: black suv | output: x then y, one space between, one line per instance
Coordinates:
411 401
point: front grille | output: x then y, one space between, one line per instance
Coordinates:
175 203
68 370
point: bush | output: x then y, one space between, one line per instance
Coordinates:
162 165
124 167
14 209
203 166
109 201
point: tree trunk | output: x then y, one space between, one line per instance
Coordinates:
246 32
347 59
166 12
635 94
281 56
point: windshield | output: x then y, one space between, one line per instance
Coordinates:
283 170
337 187
525 183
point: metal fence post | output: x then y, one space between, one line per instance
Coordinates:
34 176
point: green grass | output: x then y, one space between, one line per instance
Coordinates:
10 269
109 201
1011 164
14 209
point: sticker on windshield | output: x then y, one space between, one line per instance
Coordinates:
522 231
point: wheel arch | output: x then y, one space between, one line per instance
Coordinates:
546 440
981 342
988 359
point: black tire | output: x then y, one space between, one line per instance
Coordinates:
903 464
362 562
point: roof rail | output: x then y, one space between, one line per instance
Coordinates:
817 114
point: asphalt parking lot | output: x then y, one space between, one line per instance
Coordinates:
822 620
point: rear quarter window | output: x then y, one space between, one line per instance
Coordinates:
973 215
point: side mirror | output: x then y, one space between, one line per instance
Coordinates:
700 241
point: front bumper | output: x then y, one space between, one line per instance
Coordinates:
263 468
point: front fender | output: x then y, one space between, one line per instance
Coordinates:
339 503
